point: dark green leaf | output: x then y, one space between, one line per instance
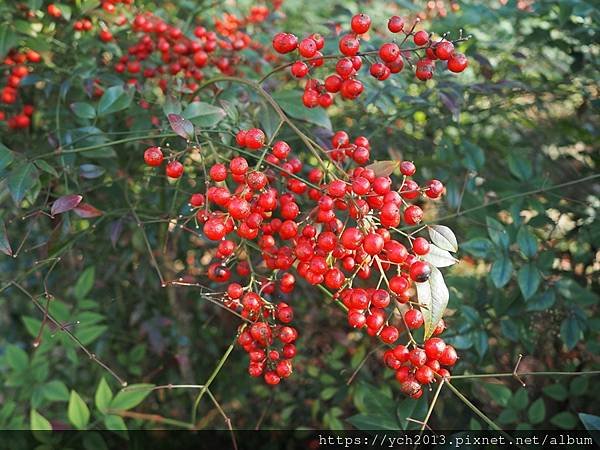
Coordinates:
571 332
537 411
499 393
542 301
114 99
565 420
4 242
501 271
21 180
373 421
84 283
527 242
6 157
83 110
203 114
56 391
478 247
291 103
497 233
529 279
556 391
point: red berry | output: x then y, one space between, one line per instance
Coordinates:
349 45
448 357
420 271
424 375
255 138
307 48
407 168
413 319
299 69
421 38
457 63
389 334
444 50
174 169
395 24
421 246
153 156
360 23
434 347
389 52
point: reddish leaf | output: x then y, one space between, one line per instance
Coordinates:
65 203
87 211
383 168
181 126
4 244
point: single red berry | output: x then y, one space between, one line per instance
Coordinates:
457 62
299 69
255 138
424 375
417 357
420 271
448 357
413 215
349 45
413 319
395 24
153 156
421 246
389 52
307 48
174 169
434 347
360 23
444 50
389 334
407 168
421 38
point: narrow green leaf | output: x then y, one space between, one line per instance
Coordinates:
571 332
203 114
291 103
556 391
114 99
84 283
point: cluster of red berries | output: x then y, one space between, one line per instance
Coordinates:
267 359
164 50
18 66
392 58
346 233
418 367
108 6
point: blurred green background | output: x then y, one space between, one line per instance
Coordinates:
515 141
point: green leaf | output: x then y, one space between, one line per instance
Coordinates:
8 39
565 420
131 397
499 393
171 105
497 233
56 391
542 301
114 423
443 237
203 114
438 257
578 385
44 166
529 279
103 396
556 391
590 422
501 271
16 358
38 422
520 167
328 393
84 283
478 247
78 412
83 110
114 99
88 334
527 242
537 411
571 290
269 120
291 103
6 157
434 295
21 180
571 332
519 400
